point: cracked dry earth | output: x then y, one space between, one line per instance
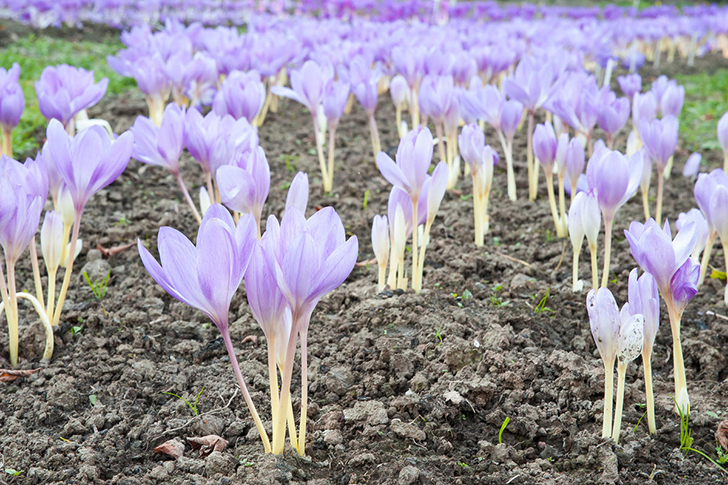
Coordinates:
404 388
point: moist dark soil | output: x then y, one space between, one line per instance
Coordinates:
403 388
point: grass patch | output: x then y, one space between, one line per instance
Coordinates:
706 99
33 53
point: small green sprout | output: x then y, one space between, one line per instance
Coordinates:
718 275
193 407
722 455
92 399
496 241
285 185
122 222
466 197
503 428
686 438
438 335
548 236
541 307
463 464
13 472
366 200
76 330
497 301
98 287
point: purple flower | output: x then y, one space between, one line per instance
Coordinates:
709 191
205 276
399 90
409 62
414 157
644 108
692 165
511 115
574 162
366 93
658 254
163 145
530 84
307 85
644 300
660 139
241 95
12 101
336 94
309 257
615 180
472 145
613 115
24 192
436 95
630 84
723 132
64 90
89 161
544 145
672 100
244 184
298 193
604 321
696 217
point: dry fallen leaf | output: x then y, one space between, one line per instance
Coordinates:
113 251
174 448
250 338
721 434
207 444
8 375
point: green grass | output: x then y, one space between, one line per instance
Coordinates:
706 99
33 53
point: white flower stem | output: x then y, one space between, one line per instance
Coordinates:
36 271
575 269
660 187
594 265
187 197
649 393
608 398
69 269
246 395
621 373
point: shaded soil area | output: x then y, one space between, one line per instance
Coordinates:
403 388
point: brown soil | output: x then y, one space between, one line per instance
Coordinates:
404 388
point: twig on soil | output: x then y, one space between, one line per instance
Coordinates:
723 317
515 260
509 481
608 440
561 260
198 416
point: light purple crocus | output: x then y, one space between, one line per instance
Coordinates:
63 91
692 165
414 157
336 95
676 274
89 161
206 276
616 180
723 138
672 100
12 103
660 138
245 182
644 299
307 85
604 320
613 115
241 95
309 258
160 145
701 226
644 108
510 118
25 187
709 191
630 85
575 160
